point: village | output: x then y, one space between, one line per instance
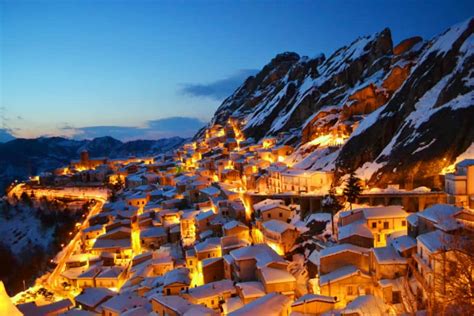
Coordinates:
227 226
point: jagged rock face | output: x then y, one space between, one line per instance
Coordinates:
392 103
290 89
428 122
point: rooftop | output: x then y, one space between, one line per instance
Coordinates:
270 304
212 289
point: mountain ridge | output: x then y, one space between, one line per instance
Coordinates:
21 157
385 103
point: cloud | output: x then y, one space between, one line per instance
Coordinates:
5 135
219 89
154 129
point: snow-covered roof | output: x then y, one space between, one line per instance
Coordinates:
367 305
318 217
136 311
316 255
270 304
233 304
403 243
413 219
208 261
209 244
277 226
307 298
259 205
31 308
217 288
388 255
341 273
442 215
435 240
272 275
262 253
153 232
92 296
210 190
91 272
180 275
173 302
94 228
204 215
356 228
251 289
112 243
124 301
110 272
233 224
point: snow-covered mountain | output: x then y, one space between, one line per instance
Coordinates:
398 113
20 158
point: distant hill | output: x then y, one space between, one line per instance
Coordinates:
20 158
5 136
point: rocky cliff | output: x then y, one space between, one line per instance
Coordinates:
397 113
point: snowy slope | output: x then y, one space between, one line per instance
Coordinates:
398 114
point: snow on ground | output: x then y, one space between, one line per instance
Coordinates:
424 146
319 217
395 190
368 169
24 230
444 42
368 121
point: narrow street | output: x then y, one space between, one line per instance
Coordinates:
54 277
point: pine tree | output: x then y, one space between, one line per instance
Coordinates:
330 204
352 189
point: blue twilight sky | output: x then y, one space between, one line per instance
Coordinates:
146 69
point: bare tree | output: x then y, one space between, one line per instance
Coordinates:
452 290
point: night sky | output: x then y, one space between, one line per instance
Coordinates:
149 69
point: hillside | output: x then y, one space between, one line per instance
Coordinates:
371 106
20 158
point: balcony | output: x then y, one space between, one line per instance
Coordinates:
418 276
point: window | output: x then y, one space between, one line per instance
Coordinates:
374 225
190 262
396 297
404 223
350 290
385 225
281 214
269 215
378 237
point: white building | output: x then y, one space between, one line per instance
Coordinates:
460 184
